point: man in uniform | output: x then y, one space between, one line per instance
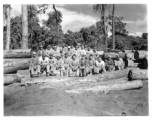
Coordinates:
44 63
109 64
40 51
74 66
52 63
82 66
91 65
34 67
119 63
66 62
99 66
59 65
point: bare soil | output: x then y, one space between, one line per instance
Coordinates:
33 101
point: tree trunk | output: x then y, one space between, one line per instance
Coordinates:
113 27
24 27
19 53
138 74
8 29
108 87
12 67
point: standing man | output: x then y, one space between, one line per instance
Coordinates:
82 66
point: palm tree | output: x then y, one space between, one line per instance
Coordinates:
57 15
102 8
6 15
113 27
24 26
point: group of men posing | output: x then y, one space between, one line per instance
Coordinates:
70 61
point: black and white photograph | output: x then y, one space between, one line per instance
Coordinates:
75 59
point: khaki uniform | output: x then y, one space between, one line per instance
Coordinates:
52 63
99 67
34 66
44 64
73 68
82 67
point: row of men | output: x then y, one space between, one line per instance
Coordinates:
71 65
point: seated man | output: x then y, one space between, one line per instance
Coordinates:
44 64
82 66
109 64
34 67
66 61
59 65
74 66
91 65
119 63
99 66
52 63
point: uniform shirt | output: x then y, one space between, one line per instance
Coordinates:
100 64
88 53
92 62
33 61
110 62
52 61
44 62
59 63
82 63
83 52
66 61
74 63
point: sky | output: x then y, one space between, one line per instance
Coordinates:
76 16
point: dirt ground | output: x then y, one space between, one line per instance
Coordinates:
33 101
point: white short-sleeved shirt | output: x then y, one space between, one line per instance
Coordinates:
83 52
45 61
100 64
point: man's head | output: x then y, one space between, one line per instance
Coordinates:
51 56
82 47
66 55
41 47
99 59
109 57
91 56
48 47
58 57
73 56
33 54
69 47
43 55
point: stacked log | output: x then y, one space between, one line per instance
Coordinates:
12 66
137 74
19 53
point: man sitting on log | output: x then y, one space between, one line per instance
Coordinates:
44 63
109 64
82 66
99 66
52 63
34 67
74 66
119 63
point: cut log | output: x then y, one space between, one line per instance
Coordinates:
10 79
14 62
14 66
107 88
19 53
138 75
113 55
140 54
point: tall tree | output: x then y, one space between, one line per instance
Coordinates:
24 26
113 27
6 14
102 8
